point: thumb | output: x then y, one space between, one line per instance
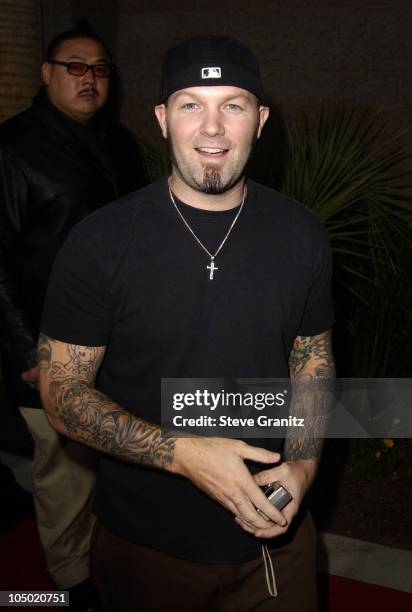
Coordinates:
262 455
265 477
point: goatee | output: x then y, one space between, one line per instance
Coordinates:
212 181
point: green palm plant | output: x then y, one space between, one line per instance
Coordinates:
340 165
385 349
349 168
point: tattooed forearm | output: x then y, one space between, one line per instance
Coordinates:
91 417
311 357
312 401
88 415
312 371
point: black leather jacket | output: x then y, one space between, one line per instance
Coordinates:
53 173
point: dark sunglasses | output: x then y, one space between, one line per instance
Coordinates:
103 71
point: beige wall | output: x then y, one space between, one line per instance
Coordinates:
20 54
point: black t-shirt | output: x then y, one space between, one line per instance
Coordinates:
132 277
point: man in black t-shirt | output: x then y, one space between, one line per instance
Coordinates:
204 275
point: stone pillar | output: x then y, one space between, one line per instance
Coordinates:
20 54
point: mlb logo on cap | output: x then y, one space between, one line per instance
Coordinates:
211 72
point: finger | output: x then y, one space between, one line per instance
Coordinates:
240 515
261 502
260 519
247 512
244 525
266 476
271 532
262 455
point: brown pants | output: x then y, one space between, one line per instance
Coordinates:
130 578
64 475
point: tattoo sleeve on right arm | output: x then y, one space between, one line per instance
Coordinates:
79 410
312 372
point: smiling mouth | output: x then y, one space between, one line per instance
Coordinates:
211 151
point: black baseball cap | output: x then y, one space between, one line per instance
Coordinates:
210 60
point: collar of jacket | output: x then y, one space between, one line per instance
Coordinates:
76 135
45 110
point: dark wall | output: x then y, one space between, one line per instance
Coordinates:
64 15
352 52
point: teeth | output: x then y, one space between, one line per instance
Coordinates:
210 150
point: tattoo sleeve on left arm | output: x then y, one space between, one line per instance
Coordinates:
312 371
82 412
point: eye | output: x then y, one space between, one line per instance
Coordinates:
77 68
190 106
233 107
102 70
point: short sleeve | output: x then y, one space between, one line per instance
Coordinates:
77 307
319 314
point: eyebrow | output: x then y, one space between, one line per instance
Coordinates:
184 92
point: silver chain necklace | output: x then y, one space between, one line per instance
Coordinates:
212 268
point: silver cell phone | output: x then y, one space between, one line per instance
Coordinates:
278 495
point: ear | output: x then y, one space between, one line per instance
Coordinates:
46 73
263 117
160 112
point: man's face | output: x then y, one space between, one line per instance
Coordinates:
80 97
211 133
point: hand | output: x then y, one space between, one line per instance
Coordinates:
31 377
297 477
216 466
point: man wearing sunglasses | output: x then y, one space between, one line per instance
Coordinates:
59 161
80 98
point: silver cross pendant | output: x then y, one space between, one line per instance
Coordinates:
212 268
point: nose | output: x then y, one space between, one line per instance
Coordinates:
212 123
89 76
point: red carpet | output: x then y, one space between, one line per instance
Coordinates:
22 564
344 595
22 567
